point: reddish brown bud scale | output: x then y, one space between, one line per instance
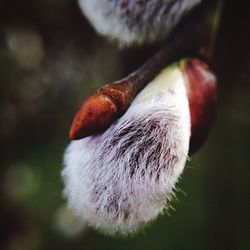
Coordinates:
120 91
94 116
202 95
99 111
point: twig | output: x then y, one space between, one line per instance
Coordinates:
194 37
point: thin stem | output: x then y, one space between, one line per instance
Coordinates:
194 37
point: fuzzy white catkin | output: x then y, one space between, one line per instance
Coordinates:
121 179
135 21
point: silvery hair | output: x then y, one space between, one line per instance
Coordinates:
121 179
135 21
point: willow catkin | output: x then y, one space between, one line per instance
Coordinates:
121 179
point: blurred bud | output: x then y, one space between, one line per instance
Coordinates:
67 223
25 46
21 182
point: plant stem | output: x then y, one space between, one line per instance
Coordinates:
193 37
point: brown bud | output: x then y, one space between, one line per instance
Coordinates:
94 116
99 111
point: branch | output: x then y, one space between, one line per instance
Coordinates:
195 37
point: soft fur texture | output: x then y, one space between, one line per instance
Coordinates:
135 21
121 179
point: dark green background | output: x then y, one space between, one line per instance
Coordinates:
50 59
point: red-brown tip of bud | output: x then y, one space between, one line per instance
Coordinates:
202 94
95 115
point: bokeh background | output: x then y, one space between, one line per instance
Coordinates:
50 59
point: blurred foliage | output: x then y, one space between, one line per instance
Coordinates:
50 59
